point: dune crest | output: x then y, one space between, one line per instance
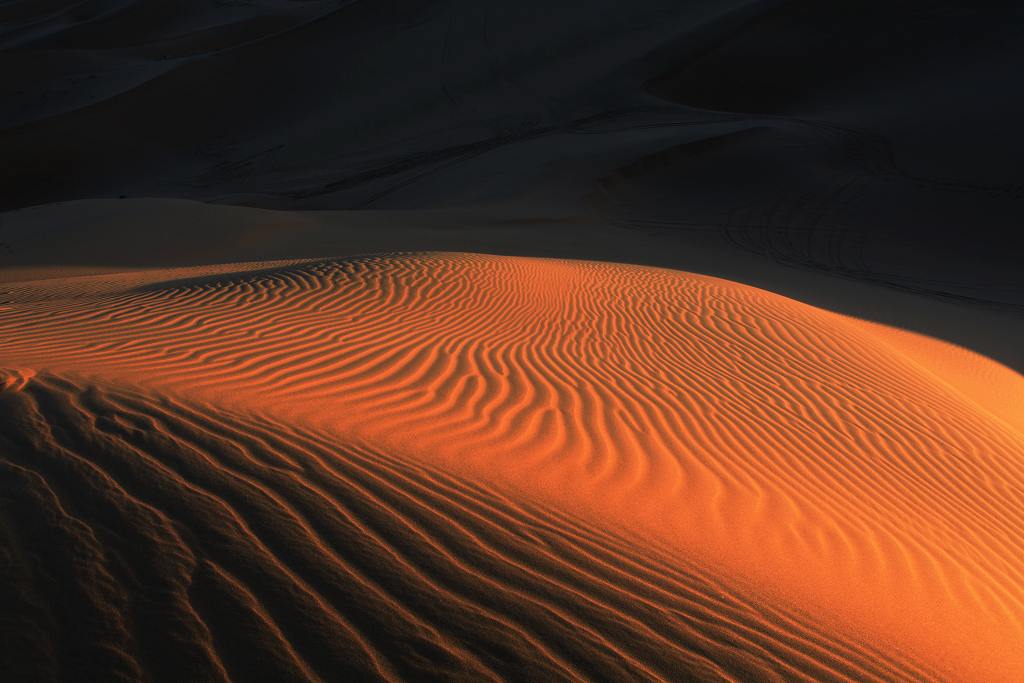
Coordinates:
815 460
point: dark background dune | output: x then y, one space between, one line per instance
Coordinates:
875 141
879 140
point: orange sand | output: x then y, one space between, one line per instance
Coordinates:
866 478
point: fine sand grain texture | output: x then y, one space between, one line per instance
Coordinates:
466 465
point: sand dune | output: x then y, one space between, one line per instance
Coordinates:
880 142
812 463
115 236
184 543
320 357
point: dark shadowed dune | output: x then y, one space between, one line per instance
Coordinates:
874 141
891 151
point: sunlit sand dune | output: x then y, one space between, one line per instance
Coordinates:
621 447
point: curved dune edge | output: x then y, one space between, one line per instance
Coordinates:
859 473
990 386
154 538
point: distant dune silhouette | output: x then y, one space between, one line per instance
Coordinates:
879 141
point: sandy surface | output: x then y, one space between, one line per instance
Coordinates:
110 236
812 464
460 340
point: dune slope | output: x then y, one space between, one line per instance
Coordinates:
813 463
160 539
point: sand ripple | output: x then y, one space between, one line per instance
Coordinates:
819 462
164 540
